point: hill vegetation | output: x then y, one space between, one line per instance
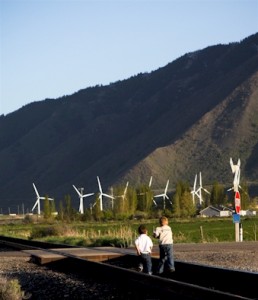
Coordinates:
189 116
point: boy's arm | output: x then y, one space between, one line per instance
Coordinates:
137 250
137 247
156 233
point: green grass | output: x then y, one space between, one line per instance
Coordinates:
123 233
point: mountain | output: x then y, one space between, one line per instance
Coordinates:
187 117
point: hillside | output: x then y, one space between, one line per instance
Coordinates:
191 115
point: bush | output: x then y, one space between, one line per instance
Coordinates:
10 289
140 215
40 232
107 242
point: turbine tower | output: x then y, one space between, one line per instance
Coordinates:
37 203
81 196
193 192
101 194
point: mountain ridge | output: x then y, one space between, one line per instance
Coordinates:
170 124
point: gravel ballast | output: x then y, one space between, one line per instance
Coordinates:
43 283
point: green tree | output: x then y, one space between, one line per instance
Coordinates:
52 207
120 204
96 212
131 200
217 197
61 211
187 207
144 196
47 209
69 212
176 205
183 205
245 198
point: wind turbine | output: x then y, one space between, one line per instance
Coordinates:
37 203
124 193
193 192
198 192
81 196
150 183
164 195
125 190
235 170
101 194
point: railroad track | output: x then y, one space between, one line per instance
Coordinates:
190 281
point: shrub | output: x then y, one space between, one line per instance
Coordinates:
115 242
10 289
40 232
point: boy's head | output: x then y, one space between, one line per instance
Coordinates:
142 229
163 221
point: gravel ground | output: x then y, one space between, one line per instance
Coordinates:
42 283
242 260
240 256
38 282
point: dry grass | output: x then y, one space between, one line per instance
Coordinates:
10 289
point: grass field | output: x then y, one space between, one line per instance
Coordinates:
197 230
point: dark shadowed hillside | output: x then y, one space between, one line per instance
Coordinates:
191 115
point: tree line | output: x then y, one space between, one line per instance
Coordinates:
140 203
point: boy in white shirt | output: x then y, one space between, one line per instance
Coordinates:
143 245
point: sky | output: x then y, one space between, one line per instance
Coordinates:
52 48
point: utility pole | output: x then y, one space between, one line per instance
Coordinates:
236 171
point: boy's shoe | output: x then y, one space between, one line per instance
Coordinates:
159 273
171 270
140 268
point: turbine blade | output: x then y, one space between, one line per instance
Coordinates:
200 179
206 191
238 162
126 188
109 196
160 195
233 167
100 189
78 192
195 181
36 191
35 205
166 186
87 195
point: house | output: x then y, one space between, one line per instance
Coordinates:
249 213
212 211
